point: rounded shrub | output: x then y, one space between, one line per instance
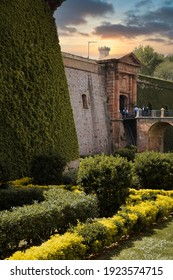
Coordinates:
109 178
128 152
47 169
154 170
95 236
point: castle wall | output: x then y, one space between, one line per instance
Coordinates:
98 92
89 102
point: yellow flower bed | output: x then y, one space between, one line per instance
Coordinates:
74 246
59 247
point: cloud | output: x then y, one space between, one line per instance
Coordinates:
74 13
157 22
158 40
169 2
143 3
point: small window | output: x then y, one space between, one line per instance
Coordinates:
84 101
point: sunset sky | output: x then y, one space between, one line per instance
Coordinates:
119 24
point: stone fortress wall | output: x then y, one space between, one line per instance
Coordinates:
86 84
99 90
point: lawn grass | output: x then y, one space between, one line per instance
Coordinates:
154 244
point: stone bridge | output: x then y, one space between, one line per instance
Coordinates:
147 131
150 132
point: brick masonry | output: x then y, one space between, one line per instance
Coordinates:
99 90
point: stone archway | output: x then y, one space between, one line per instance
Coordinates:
156 136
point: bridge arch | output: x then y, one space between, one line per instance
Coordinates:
156 136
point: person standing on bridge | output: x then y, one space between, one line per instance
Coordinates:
135 110
125 113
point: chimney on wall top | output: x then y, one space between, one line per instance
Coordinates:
103 52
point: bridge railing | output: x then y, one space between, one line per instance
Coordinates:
162 113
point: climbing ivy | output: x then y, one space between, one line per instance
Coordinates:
159 93
35 110
155 91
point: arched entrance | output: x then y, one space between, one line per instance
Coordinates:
156 136
123 102
168 139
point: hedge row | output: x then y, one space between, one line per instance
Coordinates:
31 225
13 197
93 237
137 196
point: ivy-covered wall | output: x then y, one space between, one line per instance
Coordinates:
155 91
35 110
159 93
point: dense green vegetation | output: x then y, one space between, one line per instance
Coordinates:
94 236
72 222
149 58
47 169
30 225
154 64
159 94
35 110
109 178
154 170
13 197
155 91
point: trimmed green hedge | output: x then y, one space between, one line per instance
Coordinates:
31 225
36 114
13 197
66 247
92 238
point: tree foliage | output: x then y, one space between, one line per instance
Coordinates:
164 70
149 59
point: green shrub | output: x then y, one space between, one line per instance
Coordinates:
31 225
109 178
21 182
47 169
13 197
70 177
94 236
154 170
137 196
66 247
146 212
128 152
4 175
